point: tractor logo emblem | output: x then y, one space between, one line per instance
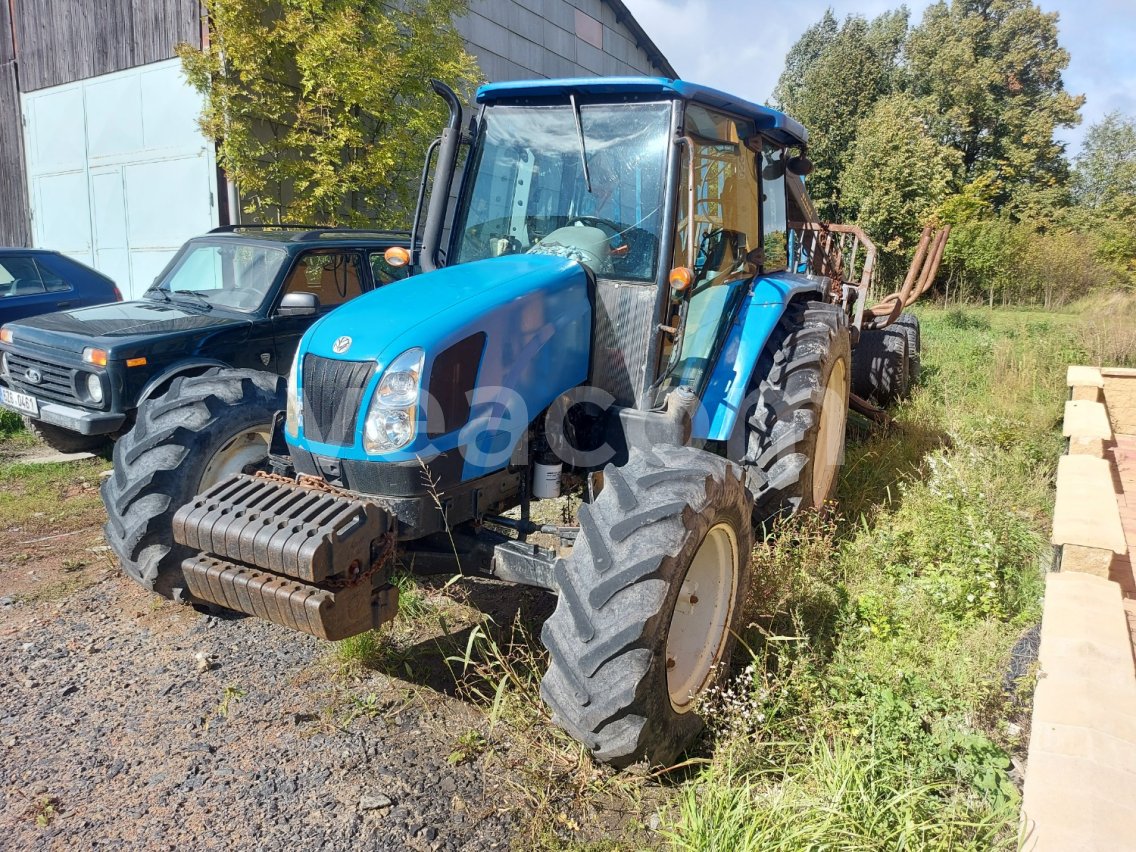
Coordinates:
33 376
341 345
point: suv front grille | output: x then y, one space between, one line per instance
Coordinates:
55 382
333 392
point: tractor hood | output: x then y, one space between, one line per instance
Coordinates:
512 332
428 310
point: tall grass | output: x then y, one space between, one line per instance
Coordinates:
871 711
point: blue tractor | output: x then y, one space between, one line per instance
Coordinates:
630 290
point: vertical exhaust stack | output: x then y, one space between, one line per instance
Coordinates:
443 179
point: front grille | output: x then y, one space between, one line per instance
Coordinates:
55 382
333 392
623 323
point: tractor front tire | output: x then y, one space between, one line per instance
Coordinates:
650 603
795 431
200 431
64 440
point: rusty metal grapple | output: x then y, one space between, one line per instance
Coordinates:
304 557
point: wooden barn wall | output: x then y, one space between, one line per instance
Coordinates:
61 41
15 230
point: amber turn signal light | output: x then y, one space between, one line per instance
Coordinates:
681 277
136 362
98 357
397 256
5 335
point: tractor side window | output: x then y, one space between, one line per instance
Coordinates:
332 276
774 228
718 215
724 191
383 272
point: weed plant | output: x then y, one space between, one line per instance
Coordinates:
869 709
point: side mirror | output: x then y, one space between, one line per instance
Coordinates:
298 305
801 165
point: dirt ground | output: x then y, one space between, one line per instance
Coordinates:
130 722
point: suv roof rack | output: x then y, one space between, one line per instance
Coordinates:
257 226
310 232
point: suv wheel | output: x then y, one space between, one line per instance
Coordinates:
64 440
200 431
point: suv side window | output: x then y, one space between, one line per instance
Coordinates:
385 273
19 276
52 282
333 276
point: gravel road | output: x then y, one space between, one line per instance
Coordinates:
130 722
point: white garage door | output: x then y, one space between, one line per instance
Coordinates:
119 173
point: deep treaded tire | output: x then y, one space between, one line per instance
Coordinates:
182 439
609 682
64 440
881 366
910 325
808 352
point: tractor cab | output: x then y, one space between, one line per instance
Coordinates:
674 196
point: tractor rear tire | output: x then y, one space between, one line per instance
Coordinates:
795 431
201 430
64 440
910 325
632 646
881 366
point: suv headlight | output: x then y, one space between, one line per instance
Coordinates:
294 415
393 414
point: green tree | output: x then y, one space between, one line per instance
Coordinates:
896 177
832 80
988 75
1105 172
321 107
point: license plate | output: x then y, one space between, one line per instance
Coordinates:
20 401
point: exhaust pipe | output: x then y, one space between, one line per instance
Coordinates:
443 179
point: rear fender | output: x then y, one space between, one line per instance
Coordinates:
758 315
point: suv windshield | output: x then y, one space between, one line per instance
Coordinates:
231 275
529 192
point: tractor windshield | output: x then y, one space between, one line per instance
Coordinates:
530 192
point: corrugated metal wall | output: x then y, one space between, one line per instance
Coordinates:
524 39
14 230
60 41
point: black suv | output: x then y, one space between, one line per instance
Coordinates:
239 296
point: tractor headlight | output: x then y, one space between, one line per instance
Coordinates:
294 414
393 414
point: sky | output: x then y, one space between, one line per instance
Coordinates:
740 45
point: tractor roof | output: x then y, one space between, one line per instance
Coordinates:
773 122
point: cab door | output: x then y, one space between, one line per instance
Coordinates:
333 276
